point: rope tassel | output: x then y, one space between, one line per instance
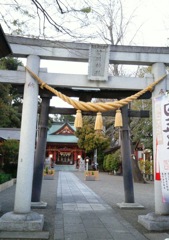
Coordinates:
98 122
78 120
118 119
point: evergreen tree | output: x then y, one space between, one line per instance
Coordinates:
90 140
10 99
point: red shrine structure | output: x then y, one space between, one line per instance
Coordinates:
62 144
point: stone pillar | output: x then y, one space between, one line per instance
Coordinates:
27 140
22 219
40 154
158 220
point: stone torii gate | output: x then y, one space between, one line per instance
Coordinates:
35 50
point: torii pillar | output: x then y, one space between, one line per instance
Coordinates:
40 154
22 218
129 202
158 220
126 158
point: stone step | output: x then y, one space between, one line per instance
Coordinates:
67 168
24 235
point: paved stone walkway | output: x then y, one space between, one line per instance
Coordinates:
81 214
78 209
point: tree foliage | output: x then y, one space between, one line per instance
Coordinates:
63 118
9 150
112 161
10 99
141 128
9 154
89 139
10 63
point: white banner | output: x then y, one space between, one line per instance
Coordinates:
162 144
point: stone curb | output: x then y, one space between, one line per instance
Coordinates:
6 185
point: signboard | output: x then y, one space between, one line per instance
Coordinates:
162 144
98 62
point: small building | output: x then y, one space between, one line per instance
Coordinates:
9 133
62 144
142 153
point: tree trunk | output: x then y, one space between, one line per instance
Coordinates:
137 175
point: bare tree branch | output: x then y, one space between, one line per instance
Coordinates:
61 10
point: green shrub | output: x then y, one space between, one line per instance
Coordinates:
9 153
115 164
106 163
146 166
4 177
112 162
10 168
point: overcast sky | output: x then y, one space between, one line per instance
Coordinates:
154 16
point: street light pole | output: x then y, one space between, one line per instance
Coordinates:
87 164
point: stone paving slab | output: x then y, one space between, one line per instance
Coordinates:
24 235
82 214
111 189
157 236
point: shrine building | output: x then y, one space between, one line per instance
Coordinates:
62 144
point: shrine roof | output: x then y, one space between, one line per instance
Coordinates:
10 133
60 125
62 139
62 132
